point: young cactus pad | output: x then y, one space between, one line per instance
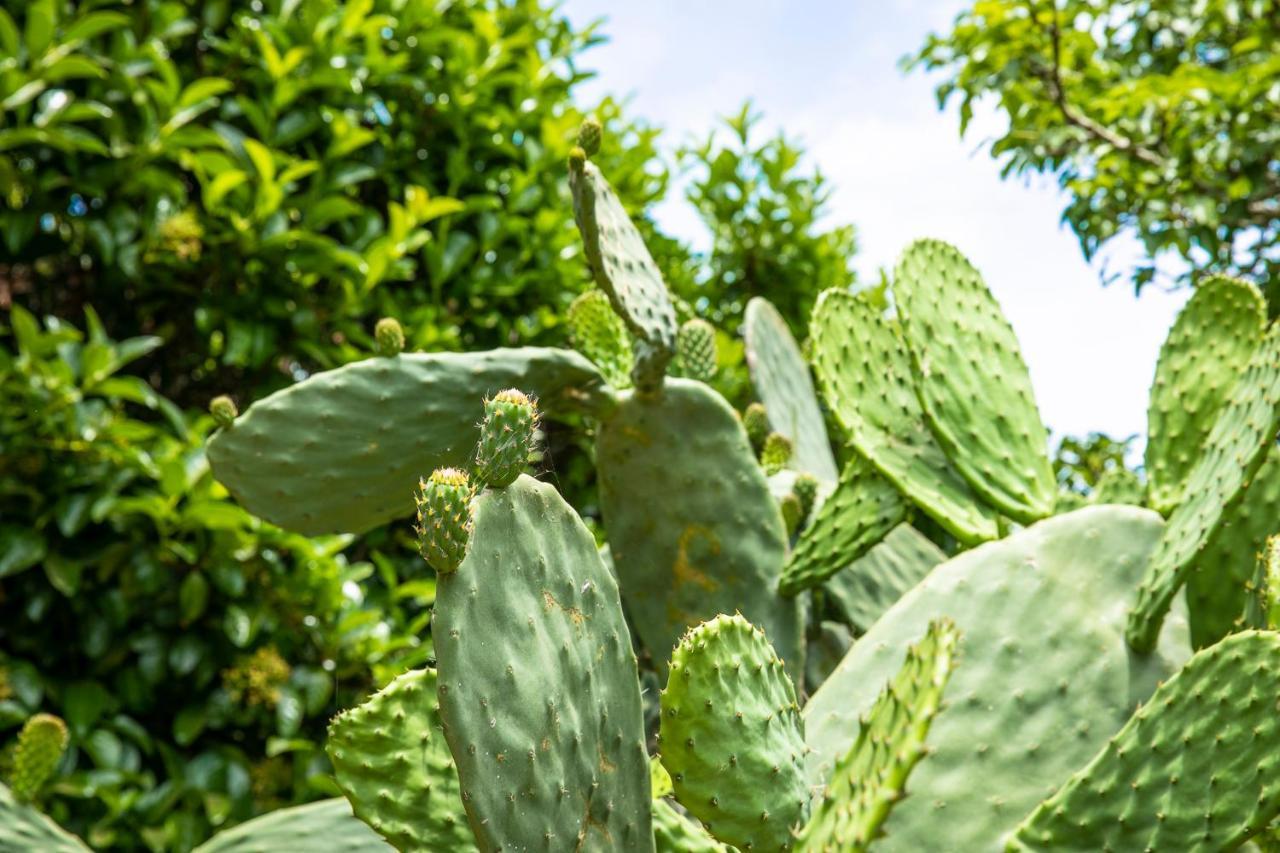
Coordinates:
391 760
782 382
872 776
1045 675
322 827
599 334
506 437
1236 447
866 377
1209 345
696 345
1194 768
340 452
870 585
25 828
444 518
538 686
693 528
972 381
732 737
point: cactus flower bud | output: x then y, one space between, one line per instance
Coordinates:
506 437
791 515
756 420
589 135
224 410
805 489
776 453
389 337
41 743
444 518
696 345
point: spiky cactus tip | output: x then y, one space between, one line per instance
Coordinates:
776 453
224 410
444 518
696 345
389 337
590 133
506 437
756 420
41 743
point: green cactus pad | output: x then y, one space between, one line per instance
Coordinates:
1193 769
41 743
1262 607
444 518
388 337
675 833
692 525
871 584
341 452
24 828
599 334
696 345
972 380
1220 576
506 437
860 512
1236 447
624 269
1045 675
782 382
391 760
865 373
321 827
872 776
732 737
1207 348
537 682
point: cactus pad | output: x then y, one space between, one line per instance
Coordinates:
321 827
696 345
865 373
506 437
537 682
782 382
870 586
341 452
692 525
388 336
860 512
1207 348
624 269
391 760
1262 608
24 829
872 776
1237 445
599 334
41 743
732 737
1045 675
444 518
1192 769
675 833
972 380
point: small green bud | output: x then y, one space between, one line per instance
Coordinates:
577 159
389 337
444 518
589 135
41 743
696 346
791 513
806 490
756 420
776 453
224 410
506 437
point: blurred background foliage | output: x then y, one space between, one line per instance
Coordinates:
209 197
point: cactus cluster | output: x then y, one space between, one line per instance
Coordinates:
1027 664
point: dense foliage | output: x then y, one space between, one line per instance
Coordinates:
1161 120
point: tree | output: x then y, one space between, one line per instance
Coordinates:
1159 119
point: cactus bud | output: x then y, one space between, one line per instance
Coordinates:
589 135
791 513
577 158
389 337
696 345
224 410
506 437
41 743
444 518
756 420
805 489
776 453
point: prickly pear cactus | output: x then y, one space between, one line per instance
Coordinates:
224 410
388 337
693 528
756 422
321 827
696 346
860 512
732 737
972 381
444 518
599 333
538 687
865 373
41 743
1190 770
24 828
1236 447
506 437
675 833
1045 675
872 776
340 452
1262 609
782 382
776 453
870 585
1209 345
391 760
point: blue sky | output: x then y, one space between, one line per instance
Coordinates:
827 73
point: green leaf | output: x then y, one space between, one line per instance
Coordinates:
193 597
20 549
42 17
